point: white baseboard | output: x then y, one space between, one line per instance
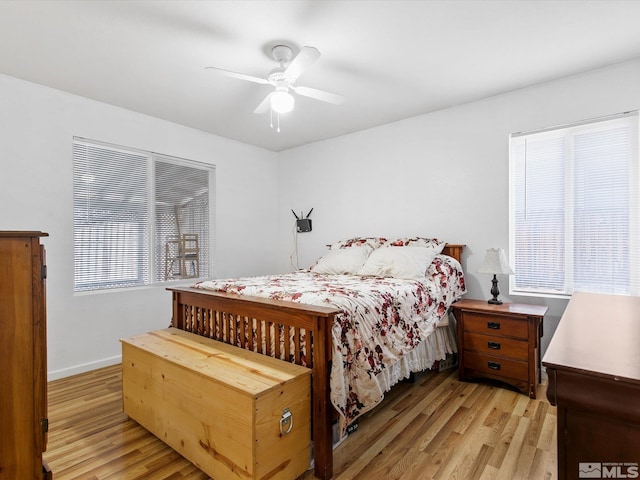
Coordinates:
85 367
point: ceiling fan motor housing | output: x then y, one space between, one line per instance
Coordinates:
276 77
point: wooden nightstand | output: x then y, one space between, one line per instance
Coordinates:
501 342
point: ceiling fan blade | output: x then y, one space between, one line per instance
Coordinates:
240 76
320 95
305 58
264 105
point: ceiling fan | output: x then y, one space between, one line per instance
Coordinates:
284 77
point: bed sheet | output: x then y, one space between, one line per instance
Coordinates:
380 320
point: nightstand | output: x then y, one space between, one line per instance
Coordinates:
500 342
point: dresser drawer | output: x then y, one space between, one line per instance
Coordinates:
498 346
496 366
495 325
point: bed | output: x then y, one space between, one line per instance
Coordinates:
360 325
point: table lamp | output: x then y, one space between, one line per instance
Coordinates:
495 262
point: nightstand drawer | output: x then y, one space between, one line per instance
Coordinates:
495 325
497 366
499 346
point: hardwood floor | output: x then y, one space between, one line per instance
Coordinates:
435 428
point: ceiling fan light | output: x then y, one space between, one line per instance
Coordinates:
282 102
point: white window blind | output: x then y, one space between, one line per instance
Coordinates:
139 217
574 209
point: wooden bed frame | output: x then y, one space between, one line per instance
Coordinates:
231 319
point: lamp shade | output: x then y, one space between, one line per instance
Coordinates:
495 262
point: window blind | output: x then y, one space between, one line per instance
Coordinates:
574 211
129 207
110 216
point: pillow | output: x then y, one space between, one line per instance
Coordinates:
342 261
371 242
432 243
398 262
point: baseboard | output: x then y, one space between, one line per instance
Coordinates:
85 367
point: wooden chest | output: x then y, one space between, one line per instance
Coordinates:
225 409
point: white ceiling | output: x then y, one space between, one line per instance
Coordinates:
391 59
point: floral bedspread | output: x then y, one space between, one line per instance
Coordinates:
379 320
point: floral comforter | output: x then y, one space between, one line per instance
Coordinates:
380 320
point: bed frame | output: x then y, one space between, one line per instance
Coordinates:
233 319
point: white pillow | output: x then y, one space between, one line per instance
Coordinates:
343 261
398 262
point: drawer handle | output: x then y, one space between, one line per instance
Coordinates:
493 325
494 345
493 365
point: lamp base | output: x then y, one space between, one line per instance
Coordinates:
495 292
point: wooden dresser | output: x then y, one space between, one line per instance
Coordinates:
501 342
593 364
23 357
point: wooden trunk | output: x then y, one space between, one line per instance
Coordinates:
23 357
220 407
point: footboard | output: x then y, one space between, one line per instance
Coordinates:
293 332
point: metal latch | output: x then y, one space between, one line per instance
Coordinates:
286 421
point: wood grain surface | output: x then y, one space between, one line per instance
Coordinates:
434 428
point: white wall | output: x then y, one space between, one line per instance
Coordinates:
443 174
36 129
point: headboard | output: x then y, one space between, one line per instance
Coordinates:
454 250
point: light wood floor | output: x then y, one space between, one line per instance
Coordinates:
435 428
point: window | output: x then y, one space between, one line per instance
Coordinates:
574 209
139 218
